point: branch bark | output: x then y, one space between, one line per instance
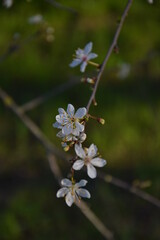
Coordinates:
114 43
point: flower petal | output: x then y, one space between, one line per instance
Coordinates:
81 112
79 151
75 132
66 182
62 119
67 129
57 125
88 48
62 192
75 62
81 183
91 171
92 150
82 137
69 199
98 162
79 51
61 111
83 193
83 66
91 56
60 134
70 110
78 164
79 126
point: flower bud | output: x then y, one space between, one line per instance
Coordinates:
66 148
90 80
101 121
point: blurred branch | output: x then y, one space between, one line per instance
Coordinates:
56 91
128 187
113 45
51 152
94 220
9 102
61 6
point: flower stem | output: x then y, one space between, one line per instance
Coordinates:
93 64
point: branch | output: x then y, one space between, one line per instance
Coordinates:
114 43
134 190
9 102
51 152
94 220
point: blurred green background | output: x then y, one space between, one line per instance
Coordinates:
128 99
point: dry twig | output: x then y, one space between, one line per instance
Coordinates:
114 44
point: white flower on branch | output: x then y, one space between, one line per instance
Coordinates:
83 56
36 19
7 3
88 157
71 138
72 191
70 122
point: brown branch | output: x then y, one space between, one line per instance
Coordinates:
114 43
128 187
43 98
94 220
51 152
9 102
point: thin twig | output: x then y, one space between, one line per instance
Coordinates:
51 152
93 218
41 99
61 6
128 187
114 43
9 102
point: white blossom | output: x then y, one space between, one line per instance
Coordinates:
7 3
71 138
83 56
72 191
88 157
70 122
36 19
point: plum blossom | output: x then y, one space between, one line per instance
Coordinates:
71 138
72 191
88 157
83 56
70 122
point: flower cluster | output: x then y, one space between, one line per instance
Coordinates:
71 124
